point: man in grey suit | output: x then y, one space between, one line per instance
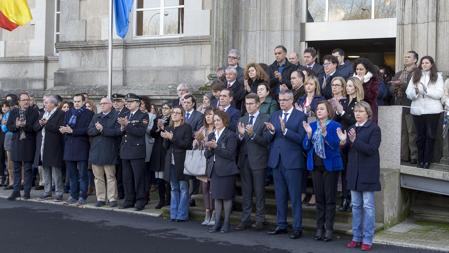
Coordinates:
253 157
195 119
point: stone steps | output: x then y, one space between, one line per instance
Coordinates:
430 207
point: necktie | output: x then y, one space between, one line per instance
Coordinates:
229 85
130 116
251 120
187 115
285 116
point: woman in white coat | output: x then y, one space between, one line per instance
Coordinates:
425 89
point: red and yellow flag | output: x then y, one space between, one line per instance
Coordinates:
14 13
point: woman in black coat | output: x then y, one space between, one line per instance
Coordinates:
222 169
157 159
363 174
178 139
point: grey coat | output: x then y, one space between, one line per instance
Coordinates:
103 147
149 140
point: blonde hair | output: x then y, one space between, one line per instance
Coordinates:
343 84
358 85
317 84
366 106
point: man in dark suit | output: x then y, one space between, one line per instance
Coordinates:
192 117
49 147
226 97
280 70
76 148
132 153
330 64
287 160
253 156
118 101
23 145
233 62
310 56
237 87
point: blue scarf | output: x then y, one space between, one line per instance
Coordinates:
318 140
75 113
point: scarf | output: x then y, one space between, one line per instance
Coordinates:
366 77
75 113
318 141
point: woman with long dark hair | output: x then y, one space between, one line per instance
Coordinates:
365 70
425 89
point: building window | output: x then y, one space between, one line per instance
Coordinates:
57 22
338 10
159 18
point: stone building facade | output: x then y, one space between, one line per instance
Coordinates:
64 48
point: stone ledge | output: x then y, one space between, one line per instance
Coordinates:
135 43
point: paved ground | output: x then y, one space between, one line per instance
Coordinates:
40 227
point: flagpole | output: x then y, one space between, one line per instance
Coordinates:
110 48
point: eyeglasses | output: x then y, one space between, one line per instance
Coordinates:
232 57
284 100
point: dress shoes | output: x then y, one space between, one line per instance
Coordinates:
126 205
295 234
26 196
100 203
278 231
159 205
113 204
318 235
366 247
226 228
216 228
426 165
420 165
353 244
328 236
242 226
14 196
139 207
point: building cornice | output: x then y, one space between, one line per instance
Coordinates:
28 59
136 43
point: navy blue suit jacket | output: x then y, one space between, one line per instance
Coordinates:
287 148
234 116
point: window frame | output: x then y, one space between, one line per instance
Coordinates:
161 9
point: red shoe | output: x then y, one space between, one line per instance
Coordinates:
353 244
366 247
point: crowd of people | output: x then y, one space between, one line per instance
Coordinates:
286 124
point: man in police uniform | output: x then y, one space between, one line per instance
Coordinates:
132 153
118 101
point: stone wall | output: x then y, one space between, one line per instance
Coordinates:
423 26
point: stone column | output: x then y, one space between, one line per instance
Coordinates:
423 26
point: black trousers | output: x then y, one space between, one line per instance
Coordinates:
253 181
134 181
426 129
325 187
119 177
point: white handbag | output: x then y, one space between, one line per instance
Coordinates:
195 163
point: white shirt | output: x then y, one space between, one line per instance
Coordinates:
217 136
289 114
226 108
229 84
256 114
360 124
190 113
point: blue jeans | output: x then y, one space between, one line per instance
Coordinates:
363 217
179 202
27 173
78 179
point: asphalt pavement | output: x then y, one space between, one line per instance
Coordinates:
39 227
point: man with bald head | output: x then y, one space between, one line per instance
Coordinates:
104 130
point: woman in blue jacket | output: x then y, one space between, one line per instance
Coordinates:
322 145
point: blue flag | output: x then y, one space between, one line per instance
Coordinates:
122 9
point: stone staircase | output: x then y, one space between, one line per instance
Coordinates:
342 224
430 207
